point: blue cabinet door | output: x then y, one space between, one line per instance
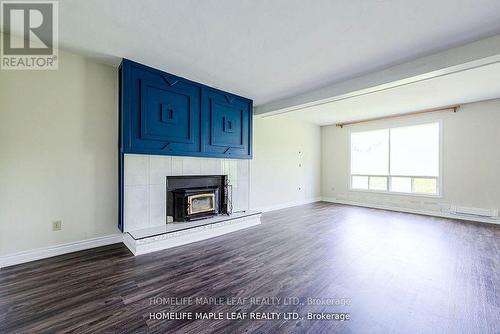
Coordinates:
226 124
161 112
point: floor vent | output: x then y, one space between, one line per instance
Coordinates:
463 210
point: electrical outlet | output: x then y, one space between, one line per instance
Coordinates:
57 225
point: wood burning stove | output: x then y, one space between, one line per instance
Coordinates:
200 203
192 204
196 197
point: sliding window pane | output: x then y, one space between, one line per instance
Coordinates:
415 150
401 184
359 182
424 186
370 152
378 183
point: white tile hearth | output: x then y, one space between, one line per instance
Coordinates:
172 235
175 227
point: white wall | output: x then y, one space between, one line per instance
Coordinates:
471 160
285 169
58 154
145 188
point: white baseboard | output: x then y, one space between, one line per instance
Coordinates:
50 251
287 205
415 211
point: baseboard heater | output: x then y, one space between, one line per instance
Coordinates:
478 212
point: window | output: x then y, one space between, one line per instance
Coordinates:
399 160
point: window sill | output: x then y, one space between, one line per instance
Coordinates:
381 192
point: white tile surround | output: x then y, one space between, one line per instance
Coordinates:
144 184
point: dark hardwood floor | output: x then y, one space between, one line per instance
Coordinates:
402 273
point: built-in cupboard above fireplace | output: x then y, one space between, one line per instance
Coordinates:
168 115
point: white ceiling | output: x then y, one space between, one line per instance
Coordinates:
271 49
472 85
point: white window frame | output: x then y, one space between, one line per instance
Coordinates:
439 178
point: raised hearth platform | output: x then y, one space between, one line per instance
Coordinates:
177 234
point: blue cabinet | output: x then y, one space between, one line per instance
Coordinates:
160 113
226 124
167 115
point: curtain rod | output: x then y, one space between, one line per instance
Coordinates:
454 107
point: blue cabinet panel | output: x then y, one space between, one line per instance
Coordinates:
164 114
226 124
160 112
